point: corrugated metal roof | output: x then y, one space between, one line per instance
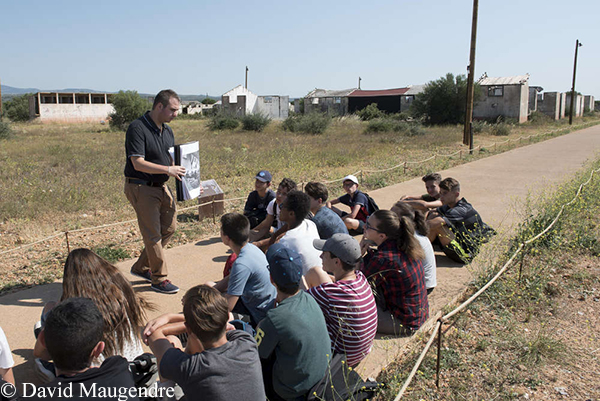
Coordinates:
382 92
514 80
330 93
414 89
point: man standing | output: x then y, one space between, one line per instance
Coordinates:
149 166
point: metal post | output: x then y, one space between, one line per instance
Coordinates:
246 84
68 245
359 79
467 138
577 44
439 354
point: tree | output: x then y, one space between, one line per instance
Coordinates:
128 105
17 109
444 101
208 100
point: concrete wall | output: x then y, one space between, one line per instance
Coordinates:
577 107
405 102
274 107
231 98
550 104
238 108
588 103
74 112
563 104
326 105
533 99
514 103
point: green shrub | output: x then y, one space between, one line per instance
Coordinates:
500 129
17 109
255 122
195 116
129 105
370 112
380 125
479 126
538 117
223 121
313 123
208 100
112 254
401 116
415 130
5 130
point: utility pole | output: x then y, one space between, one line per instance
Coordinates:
359 79
246 85
577 44
468 132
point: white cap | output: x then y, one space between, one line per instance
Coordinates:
351 178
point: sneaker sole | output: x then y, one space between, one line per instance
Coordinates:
163 291
140 276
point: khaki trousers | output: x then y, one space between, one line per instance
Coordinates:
156 213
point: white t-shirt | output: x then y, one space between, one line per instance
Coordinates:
300 239
270 207
429 265
6 359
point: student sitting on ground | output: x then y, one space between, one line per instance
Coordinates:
258 200
328 222
292 340
248 288
431 199
261 234
358 203
421 231
456 226
300 231
223 365
124 311
346 301
395 271
6 360
73 334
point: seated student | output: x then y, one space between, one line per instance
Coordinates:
328 222
72 334
346 301
300 231
258 234
396 272
256 204
456 226
431 199
292 340
248 282
6 360
225 364
421 231
358 203
88 275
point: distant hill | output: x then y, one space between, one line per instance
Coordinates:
9 92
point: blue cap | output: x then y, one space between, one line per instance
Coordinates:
264 176
285 265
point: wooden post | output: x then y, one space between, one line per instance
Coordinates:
68 245
460 154
361 177
212 206
439 355
404 167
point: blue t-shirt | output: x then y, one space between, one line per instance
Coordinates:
250 280
358 199
328 223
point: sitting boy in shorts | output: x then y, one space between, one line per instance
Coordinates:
258 200
260 235
358 203
430 200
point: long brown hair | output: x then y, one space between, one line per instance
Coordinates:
88 275
401 230
418 218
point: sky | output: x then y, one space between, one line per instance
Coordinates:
291 47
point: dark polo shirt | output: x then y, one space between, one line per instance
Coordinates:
145 139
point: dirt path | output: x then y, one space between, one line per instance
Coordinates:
493 185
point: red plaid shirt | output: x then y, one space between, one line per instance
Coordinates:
399 281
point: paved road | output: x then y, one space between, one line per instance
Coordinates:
494 185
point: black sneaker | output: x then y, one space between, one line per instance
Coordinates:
166 287
147 275
45 370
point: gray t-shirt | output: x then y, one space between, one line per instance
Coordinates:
328 223
250 280
229 372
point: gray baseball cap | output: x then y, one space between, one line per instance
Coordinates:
342 246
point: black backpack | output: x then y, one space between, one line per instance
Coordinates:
371 205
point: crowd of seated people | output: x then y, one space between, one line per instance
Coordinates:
297 290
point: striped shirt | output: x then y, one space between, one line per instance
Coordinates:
351 316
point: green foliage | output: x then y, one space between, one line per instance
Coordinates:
17 109
500 129
111 253
312 123
380 125
208 100
370 112
390 124
255 122
443 101
537 118
128 105
5 130
223 121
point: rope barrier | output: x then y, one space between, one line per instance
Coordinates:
403 164
466 303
